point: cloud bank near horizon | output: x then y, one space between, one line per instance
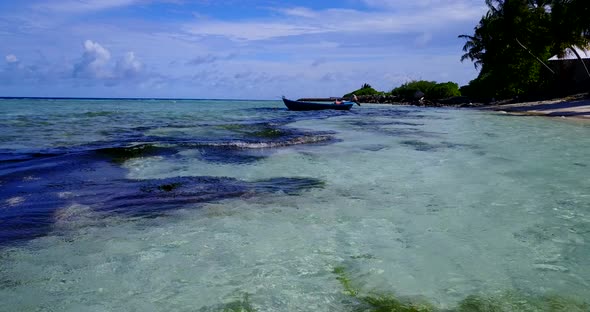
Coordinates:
233 50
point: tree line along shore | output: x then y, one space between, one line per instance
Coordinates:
518 46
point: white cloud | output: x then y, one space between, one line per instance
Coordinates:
78 6
299 12
84 6
210 58
11 58
437 15
129 66
94 61
96 64
416 4
240 31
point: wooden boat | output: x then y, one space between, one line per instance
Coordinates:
304 106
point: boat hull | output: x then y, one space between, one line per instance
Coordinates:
306 106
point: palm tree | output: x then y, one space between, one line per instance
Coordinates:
473 49
495 32
476 46
509 63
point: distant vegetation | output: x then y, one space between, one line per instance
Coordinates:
430 90
366 89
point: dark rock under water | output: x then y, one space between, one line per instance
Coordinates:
35 189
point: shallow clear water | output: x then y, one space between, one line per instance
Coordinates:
222 199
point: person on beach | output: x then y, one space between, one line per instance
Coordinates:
354 99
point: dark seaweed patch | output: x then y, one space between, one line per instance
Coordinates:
428 147
375 147
244 143
258 130
33 194
248 150
119 155
7 283
228 155
155 197
239 305
363 256
382 123
376 302
18 157
408 132
420 145
167 187
452 145
509 301
290 186
268 133
513 301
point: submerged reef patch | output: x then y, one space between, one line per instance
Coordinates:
239 305
92 174
257 130
119 155
228 155
102 185
508 301
247 143
419 145
428 147
375 302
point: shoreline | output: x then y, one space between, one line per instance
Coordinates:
572 107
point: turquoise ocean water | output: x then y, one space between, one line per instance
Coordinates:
194 205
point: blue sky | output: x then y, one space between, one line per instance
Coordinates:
229 49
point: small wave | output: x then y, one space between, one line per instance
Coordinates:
290 186
75 216
15 201
18 157
272 144
98 114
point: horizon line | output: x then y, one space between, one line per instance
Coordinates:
119 98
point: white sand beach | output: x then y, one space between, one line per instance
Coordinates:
577 107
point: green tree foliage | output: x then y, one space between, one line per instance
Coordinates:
365 89
431 90
408 90
444 90
511 42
